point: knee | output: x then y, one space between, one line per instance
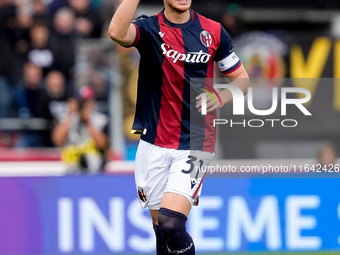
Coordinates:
171 222
165 225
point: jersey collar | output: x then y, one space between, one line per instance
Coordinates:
174 25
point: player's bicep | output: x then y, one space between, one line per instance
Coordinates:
226 58
130 36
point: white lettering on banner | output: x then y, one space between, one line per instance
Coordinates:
200 223
65 225
82 223
295 222
265 221
111 230
141 221
190 57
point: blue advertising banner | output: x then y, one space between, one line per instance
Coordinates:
101 215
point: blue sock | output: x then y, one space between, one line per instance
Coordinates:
161 247
172 226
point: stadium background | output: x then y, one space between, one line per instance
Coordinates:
45 211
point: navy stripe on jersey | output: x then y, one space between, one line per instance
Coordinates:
192 120
149 91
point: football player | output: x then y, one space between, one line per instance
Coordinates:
175 45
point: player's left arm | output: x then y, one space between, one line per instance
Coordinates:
238 78
230 65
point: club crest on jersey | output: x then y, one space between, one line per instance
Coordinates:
206 39
142 195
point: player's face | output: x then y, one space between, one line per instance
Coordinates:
178 5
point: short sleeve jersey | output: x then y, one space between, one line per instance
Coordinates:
171 56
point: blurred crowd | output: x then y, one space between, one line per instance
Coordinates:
37 59
38 68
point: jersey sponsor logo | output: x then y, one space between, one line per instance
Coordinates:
206 39
161 34
190 57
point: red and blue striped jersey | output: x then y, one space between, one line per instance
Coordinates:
171 56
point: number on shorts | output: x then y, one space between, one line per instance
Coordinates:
191 161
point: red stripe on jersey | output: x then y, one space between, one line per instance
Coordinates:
172 89
137 35
215 31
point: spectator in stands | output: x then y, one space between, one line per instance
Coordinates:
327 155
8 38
26 97
7 108
230 19
41 51
40 11
88 23
55 5
24 10
100 85
82 134
53 102
8 23
28 91
64 37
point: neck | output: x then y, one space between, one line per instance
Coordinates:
176 17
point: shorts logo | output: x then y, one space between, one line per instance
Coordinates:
206 39
142 195
193 183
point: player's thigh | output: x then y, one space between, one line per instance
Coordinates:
151 170
185 179
176 202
